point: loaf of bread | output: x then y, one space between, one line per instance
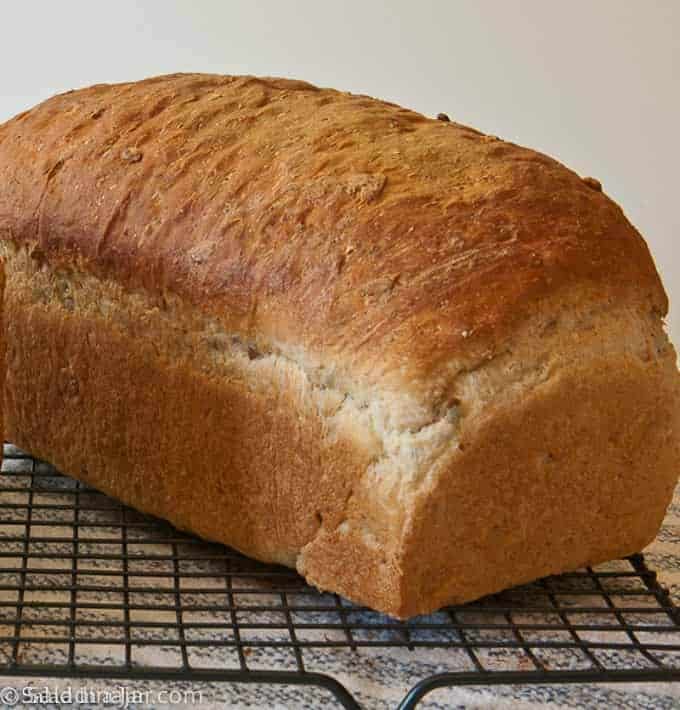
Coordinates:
415 362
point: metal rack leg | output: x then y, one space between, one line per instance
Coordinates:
444 680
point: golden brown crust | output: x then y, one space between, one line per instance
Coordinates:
360 231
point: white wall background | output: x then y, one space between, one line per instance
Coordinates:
594 83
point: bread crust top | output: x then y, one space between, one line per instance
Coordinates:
381 244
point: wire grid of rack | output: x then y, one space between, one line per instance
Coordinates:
92 589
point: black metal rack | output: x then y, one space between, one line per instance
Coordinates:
92 589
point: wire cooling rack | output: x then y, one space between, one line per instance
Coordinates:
92 589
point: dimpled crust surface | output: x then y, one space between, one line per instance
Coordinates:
416 362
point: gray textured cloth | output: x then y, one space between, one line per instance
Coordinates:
376 677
